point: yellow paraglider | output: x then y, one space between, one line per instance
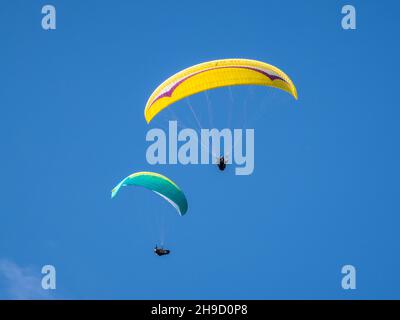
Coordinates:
215 74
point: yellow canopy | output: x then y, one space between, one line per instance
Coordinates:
215 74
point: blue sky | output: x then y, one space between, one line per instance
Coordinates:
324 192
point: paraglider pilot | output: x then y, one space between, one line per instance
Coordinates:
221 163
160 251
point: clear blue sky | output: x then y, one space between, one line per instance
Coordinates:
324 192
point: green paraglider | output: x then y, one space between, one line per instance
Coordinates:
158 183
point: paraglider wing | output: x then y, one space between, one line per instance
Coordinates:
215 74
158 183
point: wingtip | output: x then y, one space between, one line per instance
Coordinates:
294 92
